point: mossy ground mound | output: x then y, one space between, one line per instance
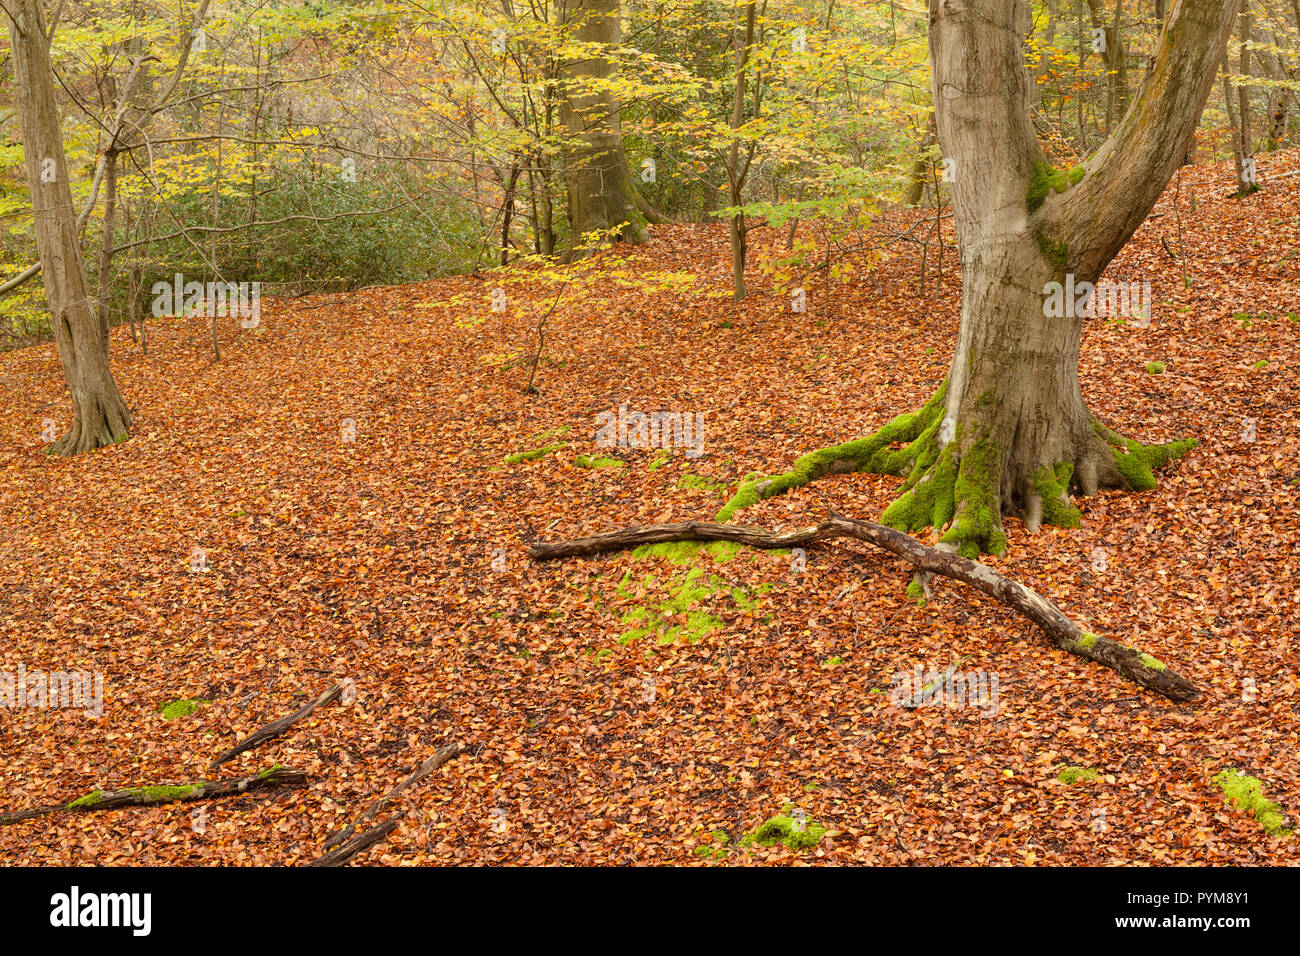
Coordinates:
789 830
683 606
1072 775
1247 793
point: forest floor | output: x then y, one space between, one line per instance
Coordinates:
629 709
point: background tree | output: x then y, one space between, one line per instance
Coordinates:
99 413
601 194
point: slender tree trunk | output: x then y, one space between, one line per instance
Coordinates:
107 247
601 193
1117 96
921 168
738 168
1279 100
100 415
1044 69
1114 57
1243 91
1234 126
508 209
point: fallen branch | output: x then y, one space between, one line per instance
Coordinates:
369 838
1138 667
276 727
167 793
337 857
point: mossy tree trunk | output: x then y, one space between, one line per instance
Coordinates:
100 415
1013 434
601 193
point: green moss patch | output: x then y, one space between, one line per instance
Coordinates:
598 461
1047 179
535 453
1072 775
700 483
89 800
783 830
1053 487
1153 663
686 552
1247 793
1054 251
714 845
544 445
683 606
180 708
679 597
160 794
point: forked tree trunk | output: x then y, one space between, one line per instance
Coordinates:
601 193
100 415
1012 433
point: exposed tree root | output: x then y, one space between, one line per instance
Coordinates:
875 454
960 482
97 424
1138 667
276 776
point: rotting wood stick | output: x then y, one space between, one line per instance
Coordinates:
276 727
276 776
362 841
340 852
440 757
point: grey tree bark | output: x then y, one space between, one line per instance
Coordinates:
601 193
100 414
1010 432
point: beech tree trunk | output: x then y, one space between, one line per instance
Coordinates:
100 415
601 193
1014 434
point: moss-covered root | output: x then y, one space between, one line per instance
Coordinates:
1247 793
1051 503
877 454
1136 462
960 494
